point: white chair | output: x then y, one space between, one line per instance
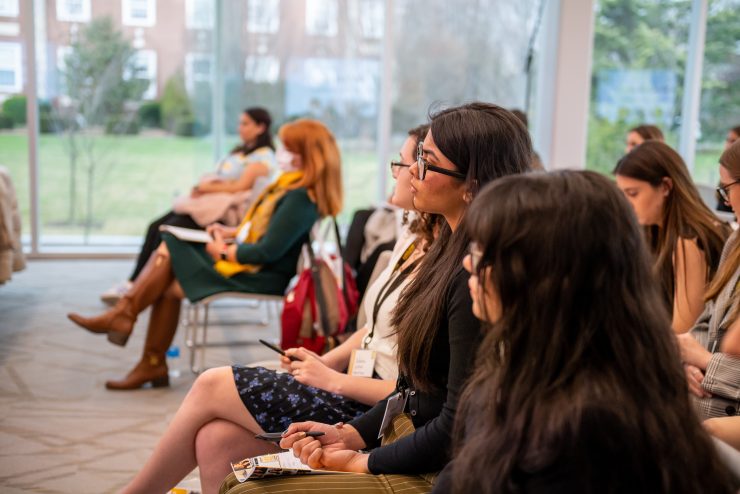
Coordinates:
196 330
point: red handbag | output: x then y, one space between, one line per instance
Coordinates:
317 309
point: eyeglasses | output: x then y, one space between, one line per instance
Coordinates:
476 254
424 165
396 167
724 190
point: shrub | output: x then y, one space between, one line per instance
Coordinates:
122 124
175 103
5 121
15 108
150 114
188 126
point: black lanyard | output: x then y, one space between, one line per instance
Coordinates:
391 284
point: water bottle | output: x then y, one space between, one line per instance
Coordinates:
173 361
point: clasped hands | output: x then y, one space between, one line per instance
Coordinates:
336 450
695 361
219 233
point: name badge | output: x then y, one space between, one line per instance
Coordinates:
362 363
393 407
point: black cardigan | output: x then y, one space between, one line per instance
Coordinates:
451 361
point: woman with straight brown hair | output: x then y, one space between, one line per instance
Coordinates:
578 386
685 236
262 258
641 133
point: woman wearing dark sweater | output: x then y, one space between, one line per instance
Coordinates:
262 258
466 147
578 385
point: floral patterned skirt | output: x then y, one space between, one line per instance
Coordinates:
276 400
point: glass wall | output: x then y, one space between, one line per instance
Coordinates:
127 92
720 97
13 135
639 62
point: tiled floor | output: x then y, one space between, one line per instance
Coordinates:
60 430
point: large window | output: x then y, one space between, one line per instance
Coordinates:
720 97
11 70
640 49
8 8
139 12
127 114
73 10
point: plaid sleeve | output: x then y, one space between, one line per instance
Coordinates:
723 376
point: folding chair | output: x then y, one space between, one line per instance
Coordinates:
196 331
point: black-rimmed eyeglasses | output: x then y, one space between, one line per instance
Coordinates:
396 167
424 166
724 190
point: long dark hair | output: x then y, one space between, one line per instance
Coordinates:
685 216
260 116
485 142
582 335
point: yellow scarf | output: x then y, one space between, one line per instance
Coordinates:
257 220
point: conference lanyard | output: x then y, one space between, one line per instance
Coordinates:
391 284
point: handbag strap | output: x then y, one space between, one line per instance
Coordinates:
319 290
345 290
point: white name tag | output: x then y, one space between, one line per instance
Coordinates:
393 407
362 363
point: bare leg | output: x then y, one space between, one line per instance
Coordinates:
220 442
213 396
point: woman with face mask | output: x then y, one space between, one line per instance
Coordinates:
261 259
227 406
218 196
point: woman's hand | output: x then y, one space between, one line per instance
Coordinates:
311 370
338 460
692 352
216 229
694 377
335 450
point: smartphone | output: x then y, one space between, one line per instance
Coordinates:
277 436
279 350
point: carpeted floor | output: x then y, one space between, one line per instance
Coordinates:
61 431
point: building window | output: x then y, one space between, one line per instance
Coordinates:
262 69
263 16
8 8
139 12
145 64
371 18
199 14
73 10
198 68
10 68
321 17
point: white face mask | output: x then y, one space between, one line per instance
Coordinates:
286 160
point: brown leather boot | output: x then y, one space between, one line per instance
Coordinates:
118 322
152 368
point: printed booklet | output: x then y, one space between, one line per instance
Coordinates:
274 465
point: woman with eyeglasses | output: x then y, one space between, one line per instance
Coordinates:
711 350
577 385
686 238
227 406
466 148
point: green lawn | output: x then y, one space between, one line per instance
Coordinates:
136 178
